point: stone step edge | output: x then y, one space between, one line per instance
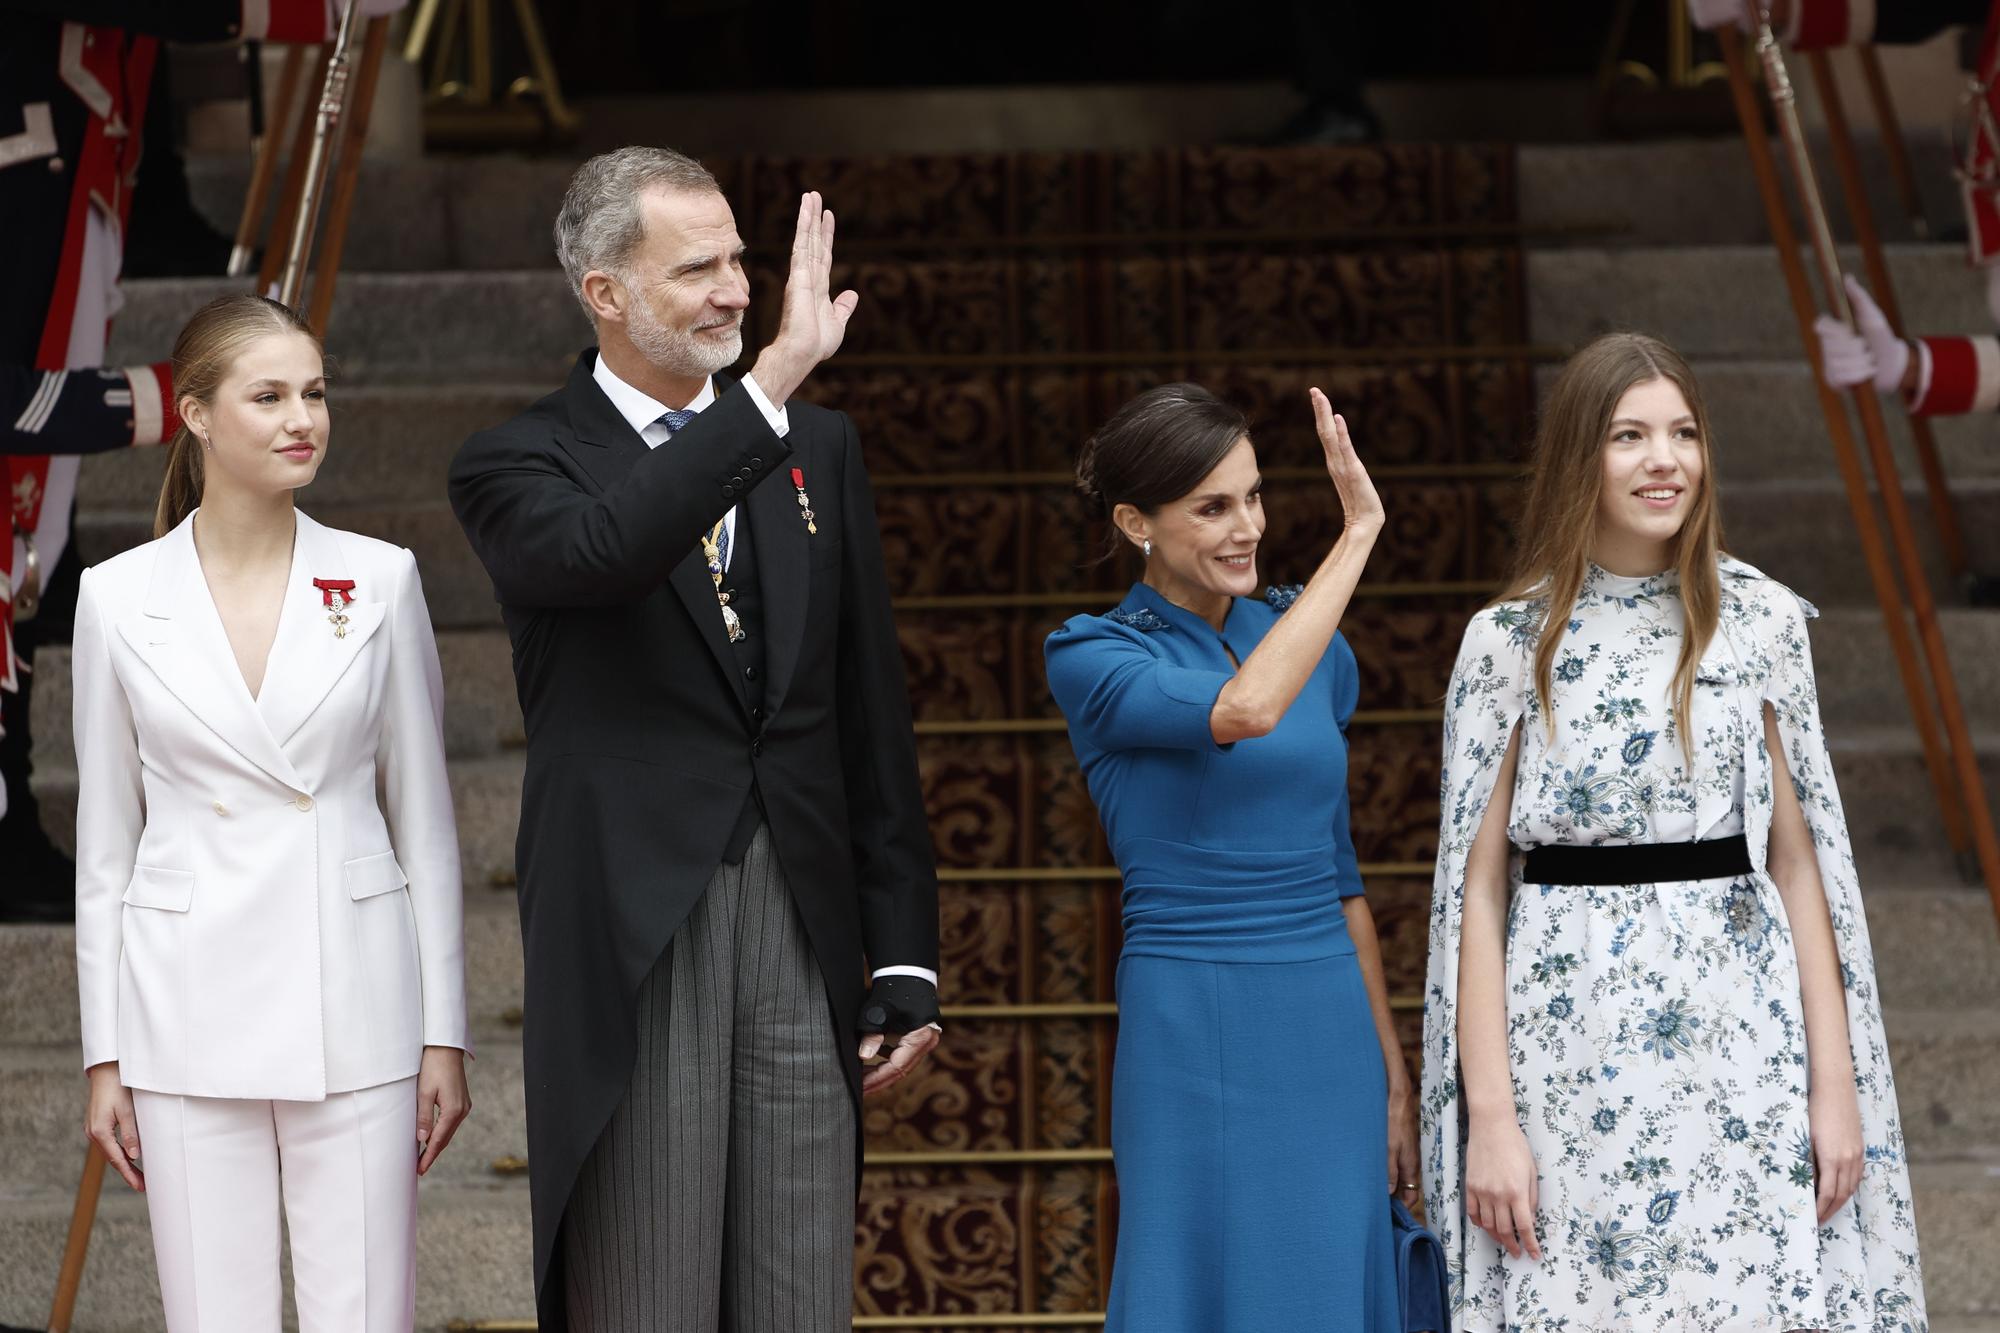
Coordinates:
1958 1171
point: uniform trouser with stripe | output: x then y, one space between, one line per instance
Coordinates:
347 1170
721 1195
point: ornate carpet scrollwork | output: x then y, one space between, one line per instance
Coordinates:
1009 303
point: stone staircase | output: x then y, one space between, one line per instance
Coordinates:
984 349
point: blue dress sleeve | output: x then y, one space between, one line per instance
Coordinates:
1346 694
1119 694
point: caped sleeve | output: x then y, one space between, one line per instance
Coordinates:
1770 619
1489 694
1119 693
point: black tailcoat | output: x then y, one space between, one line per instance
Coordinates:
642 747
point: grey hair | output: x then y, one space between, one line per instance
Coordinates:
599 224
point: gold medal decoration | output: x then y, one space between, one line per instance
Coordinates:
711 551
335 595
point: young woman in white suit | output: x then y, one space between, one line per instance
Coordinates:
270 959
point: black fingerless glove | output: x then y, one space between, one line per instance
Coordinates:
899 1004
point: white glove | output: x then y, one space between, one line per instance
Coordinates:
1708 15
1870 352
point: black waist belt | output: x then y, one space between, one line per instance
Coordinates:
1638 863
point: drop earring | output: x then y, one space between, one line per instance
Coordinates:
1146 548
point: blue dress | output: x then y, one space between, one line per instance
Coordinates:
1249 1107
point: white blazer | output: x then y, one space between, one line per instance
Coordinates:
248 922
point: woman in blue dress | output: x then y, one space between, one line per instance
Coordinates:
1261 1112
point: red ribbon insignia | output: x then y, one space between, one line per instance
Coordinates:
328 587
805 504
336 594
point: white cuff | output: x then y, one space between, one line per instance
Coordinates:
148 416
906 971
780 425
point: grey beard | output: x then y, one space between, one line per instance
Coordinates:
679 351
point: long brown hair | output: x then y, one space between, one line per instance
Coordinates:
1559 520
203 354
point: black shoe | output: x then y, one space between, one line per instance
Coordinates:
41 886
185 247
1326 122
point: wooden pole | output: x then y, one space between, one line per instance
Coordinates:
69 1278
295 177
1840 434
332 103
354 134
265 168
1893 145
1895 504
1847 164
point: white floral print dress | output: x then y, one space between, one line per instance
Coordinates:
1655 1030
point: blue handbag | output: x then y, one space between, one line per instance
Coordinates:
1420 1273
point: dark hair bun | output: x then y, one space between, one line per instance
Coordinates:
1156 449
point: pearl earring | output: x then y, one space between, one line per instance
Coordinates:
1147 547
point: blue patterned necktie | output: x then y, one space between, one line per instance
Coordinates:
673 419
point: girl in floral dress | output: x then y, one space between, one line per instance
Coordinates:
1656 1090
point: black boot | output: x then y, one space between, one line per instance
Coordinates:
37 882
168 237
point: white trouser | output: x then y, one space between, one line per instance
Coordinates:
348 1168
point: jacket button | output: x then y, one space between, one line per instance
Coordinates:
749 673
304 802
728 492
757 748
756 461
221 809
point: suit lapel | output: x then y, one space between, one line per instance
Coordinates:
600 441
606 447
691 580
179 635
307 658
784 572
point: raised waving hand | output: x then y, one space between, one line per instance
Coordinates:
813 322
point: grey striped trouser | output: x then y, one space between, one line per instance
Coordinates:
721 1195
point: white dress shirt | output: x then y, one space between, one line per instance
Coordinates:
642 413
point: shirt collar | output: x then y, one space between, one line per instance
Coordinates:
638 409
